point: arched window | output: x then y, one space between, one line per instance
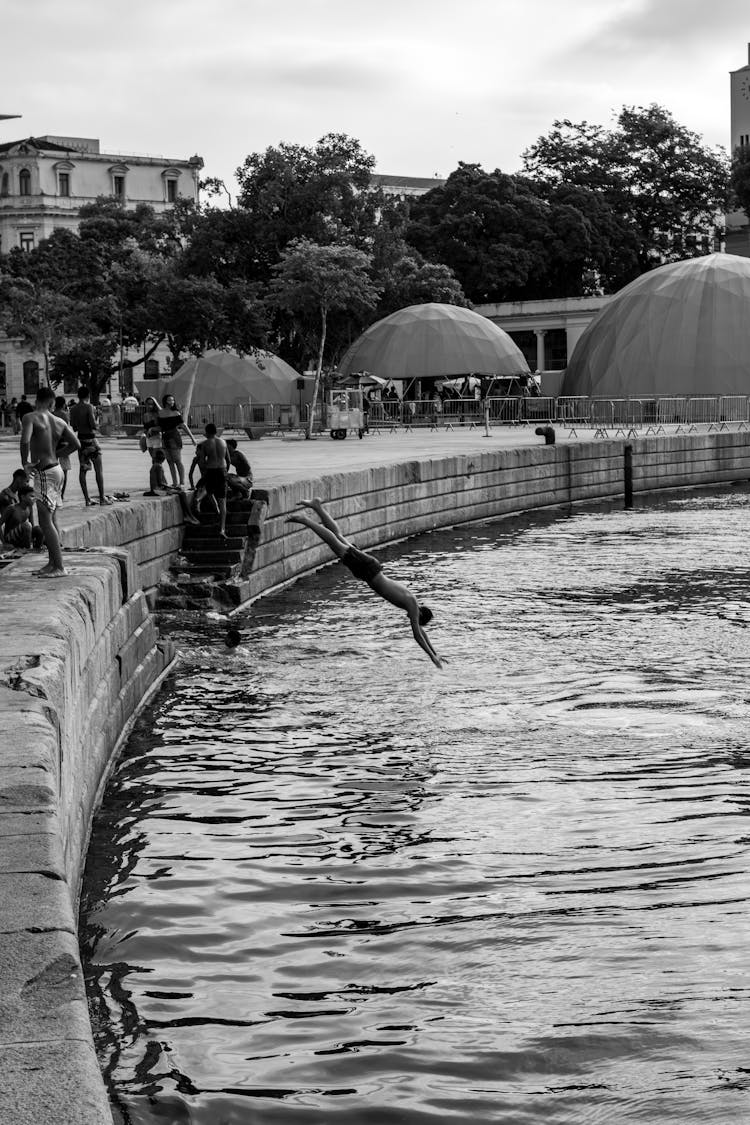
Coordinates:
3 379
24 182
151 369
30 377
4 184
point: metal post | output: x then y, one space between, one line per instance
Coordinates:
628 475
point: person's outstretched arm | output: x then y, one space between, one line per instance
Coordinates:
422 640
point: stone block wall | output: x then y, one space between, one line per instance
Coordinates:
392 502
77 658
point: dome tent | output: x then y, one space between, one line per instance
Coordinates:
682 329
433 341
225 377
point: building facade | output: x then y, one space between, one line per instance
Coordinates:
738 230
44 182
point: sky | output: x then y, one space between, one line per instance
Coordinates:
422 84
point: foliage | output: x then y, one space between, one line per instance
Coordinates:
312 282
654 174
321 194
502 238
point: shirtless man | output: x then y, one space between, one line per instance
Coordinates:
83 421
370 570
212 457
43 438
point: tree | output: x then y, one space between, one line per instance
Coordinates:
311 282
503 237
321 194
656 175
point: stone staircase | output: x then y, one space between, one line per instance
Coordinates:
208 572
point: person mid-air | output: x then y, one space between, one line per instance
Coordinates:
370 570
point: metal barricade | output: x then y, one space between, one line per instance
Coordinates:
503 411
601 415
702 411
733 409
573 410
536 409
671 410
463 411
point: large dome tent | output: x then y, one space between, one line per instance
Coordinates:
682 329
433 341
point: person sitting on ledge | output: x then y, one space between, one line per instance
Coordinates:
370 570
157 485
15 525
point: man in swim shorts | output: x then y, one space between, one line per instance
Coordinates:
213 461
43 438
370 570
83 421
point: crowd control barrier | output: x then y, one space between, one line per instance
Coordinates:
605 416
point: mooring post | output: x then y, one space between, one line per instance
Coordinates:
628 475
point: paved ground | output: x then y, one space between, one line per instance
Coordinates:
280 461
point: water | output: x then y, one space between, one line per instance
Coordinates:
330 884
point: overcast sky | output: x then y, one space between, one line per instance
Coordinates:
421 83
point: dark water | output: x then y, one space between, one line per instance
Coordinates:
331 884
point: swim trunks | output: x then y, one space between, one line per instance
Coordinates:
363 566
48 485
90 449
215 482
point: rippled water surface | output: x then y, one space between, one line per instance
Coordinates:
330 884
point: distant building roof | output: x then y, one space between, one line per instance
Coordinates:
406 185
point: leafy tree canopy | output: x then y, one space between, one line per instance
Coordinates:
653 173
320 193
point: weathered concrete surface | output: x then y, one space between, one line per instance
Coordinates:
77 656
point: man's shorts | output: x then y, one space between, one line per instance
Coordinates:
20 535
215 483
48 485
363 566
89 451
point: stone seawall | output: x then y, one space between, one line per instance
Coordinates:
77 658
391 502
79 655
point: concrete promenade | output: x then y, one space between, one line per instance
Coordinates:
278 461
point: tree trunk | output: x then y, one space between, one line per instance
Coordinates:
323 326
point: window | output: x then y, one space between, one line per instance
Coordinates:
118 187
30 377
126 380
3 379
151 369
63 183
24 182
171 186
26 240
4 184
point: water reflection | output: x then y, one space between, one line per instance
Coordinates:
331 884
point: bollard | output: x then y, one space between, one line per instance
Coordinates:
547 432
628 475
